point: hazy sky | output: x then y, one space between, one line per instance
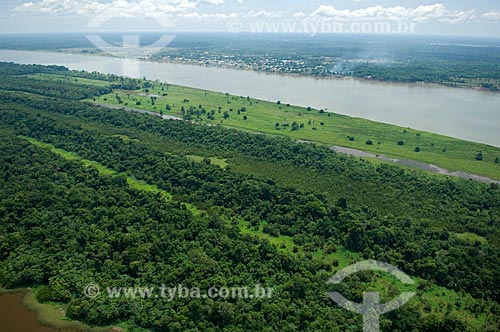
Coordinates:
458 17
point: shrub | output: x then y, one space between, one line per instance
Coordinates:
271 230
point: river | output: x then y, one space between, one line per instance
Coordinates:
15 318
462 113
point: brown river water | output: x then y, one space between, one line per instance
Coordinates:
15 318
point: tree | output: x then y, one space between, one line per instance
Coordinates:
479 156
226 115
342 202
272 230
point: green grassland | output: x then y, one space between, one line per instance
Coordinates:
470 237
312 125
68 79
213 160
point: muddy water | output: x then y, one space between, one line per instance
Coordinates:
15 318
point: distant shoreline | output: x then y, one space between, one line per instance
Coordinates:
318 77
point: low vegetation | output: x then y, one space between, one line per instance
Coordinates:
330 129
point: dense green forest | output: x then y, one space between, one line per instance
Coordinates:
64 225
56 89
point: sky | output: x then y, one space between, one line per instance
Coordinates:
443 17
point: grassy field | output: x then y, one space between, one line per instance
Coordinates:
312 125
470 237
68 79
213 160
53 315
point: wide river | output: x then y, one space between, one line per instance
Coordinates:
467 114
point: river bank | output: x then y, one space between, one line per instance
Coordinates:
21 312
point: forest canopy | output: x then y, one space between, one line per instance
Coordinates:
64 223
